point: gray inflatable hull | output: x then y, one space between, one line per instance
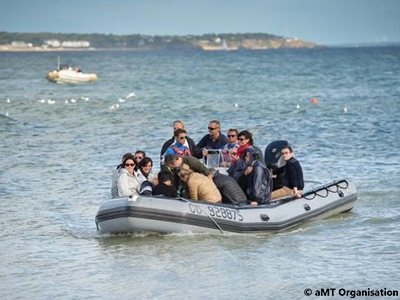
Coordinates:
167 215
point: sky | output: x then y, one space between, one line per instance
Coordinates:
325 22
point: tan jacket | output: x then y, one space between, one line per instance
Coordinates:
203 188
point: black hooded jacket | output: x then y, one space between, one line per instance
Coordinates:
230 190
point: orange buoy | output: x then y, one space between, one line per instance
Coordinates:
314 100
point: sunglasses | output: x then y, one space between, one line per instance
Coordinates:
231 135
139 157
212 128
241 139
129 165
182 137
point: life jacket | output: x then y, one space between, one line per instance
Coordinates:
180 153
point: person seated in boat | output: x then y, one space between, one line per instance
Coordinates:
245 139
200 186
213 140
230 190
146 178
189 143
117 172
78 70
230 149
178 148
293 182
139 155
165 186
172 163
128 183
256 179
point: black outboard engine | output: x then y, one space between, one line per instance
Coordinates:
274 162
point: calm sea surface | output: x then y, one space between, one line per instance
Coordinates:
60 144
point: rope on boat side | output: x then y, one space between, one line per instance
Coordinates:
328 189
215 222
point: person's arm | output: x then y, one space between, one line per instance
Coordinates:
292 175
169 151
165 146
256 190
123 185
193 190
199 147
197 166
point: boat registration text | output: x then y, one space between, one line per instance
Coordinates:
219 212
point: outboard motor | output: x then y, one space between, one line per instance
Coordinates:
274 161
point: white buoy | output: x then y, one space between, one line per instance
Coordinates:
236 105
42 101
298 106
130 95
66 101
345 110
6 114
8 100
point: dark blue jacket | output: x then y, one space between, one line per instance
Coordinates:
259 183
208 143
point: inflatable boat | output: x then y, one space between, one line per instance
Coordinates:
176 215
70 76
67 75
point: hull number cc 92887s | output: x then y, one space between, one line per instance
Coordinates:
219 212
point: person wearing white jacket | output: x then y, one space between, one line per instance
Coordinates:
117 172
128 183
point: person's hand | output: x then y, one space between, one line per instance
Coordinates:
248 170
154 181
205 152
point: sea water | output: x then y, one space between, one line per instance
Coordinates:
59 145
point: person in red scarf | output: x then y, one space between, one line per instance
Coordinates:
237 168
245 139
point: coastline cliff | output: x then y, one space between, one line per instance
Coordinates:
65 42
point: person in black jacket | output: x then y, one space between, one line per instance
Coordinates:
165 186
189 143
293 182
256 179
230 190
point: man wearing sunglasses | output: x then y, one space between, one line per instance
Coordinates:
189 143
179 148
213 140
